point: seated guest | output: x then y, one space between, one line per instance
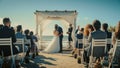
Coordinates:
79 46
28 37
34 48
74 51
97 34
87 31
20 35
109 34
79 36
115 36
7 32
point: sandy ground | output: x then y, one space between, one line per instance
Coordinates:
57 60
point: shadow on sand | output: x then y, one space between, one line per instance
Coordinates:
38 62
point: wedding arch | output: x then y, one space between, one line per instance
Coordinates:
43 18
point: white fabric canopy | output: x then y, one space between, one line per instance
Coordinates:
43 19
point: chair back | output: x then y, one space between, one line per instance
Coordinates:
21 42
98 43
80 41
109 41
27 41
117 44
8 42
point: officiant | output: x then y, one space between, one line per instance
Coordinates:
70 29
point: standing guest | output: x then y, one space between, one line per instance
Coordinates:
34 38
97 34
70 29
109 34
7 32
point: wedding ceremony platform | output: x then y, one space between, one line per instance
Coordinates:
43 19
56 60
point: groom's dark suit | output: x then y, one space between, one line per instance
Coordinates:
60 30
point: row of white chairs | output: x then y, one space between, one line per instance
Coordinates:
8 42
99 43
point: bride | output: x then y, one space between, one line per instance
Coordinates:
53 46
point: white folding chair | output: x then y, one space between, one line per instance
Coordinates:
97 43
117 44
85 42
21 42
8 42
109 41
80 41
27 41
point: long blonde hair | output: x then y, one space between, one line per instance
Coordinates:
117 30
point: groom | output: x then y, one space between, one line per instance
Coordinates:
60 30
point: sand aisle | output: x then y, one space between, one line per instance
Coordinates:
60 60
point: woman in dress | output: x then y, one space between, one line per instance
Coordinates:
53 46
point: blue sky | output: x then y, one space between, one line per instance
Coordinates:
22 11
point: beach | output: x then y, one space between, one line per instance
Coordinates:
56 60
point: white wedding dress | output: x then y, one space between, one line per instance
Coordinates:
53 46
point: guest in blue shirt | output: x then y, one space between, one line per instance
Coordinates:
20 35
19 32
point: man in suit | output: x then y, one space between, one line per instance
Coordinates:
97 34
70 29
7 32
109 34
60 30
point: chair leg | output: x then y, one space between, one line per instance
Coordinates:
79 56
90 62
75 54
13 62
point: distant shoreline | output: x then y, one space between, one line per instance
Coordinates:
50 37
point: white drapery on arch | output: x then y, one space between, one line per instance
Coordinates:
43 18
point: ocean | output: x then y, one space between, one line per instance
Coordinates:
49 38
46 40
